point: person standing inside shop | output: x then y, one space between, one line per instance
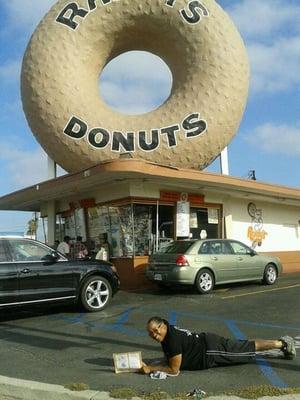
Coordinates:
79 249
102 253
64 247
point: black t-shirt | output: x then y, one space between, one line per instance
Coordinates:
191 346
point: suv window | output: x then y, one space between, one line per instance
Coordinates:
26 250
180 246
4 256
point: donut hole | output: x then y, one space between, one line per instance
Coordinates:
135 83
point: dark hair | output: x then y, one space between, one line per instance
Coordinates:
157 320
79 238
67 238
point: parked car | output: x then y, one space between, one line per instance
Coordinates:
206 263
33 273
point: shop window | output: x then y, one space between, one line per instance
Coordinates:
165 225
99 226
72 225
143 217
204 222
112 226
121 231
133 229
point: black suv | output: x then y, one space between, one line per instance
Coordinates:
33 273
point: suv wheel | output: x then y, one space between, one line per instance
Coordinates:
95 293
205 281
270 275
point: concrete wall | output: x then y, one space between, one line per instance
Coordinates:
278 225
290 260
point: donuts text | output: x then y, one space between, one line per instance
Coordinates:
100 137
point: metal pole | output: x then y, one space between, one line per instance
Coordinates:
224 161
157 226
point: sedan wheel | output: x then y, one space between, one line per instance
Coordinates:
95 293
270 275
205 281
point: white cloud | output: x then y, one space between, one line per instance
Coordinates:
26 14
271 30
128 84
275 68
257 18
24 168
134 98
276 139
10 71
136 66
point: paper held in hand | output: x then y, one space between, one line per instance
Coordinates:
127 362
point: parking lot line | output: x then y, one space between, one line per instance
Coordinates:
263 365
260 291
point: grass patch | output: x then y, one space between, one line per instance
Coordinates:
251 392
77 387
123 393
255 392
157 395
127 393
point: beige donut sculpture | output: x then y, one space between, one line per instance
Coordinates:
74 42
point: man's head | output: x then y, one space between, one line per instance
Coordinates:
157 328
67 239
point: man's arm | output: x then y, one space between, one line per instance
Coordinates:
173 368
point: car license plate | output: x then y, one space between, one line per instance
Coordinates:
157 277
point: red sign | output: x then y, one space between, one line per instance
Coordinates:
173 197
87 203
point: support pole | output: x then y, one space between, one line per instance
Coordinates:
52 171
51 212
224 161
51 222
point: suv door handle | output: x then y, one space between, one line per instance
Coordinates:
215 258
25 271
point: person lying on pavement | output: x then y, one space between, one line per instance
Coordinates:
185 350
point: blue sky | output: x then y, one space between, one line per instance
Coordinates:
268 140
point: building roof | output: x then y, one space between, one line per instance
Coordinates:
121 170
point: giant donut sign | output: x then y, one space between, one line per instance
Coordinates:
74 42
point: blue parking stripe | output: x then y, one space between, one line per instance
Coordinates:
172 318
119 327
264 366
124 317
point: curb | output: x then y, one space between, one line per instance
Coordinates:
30 390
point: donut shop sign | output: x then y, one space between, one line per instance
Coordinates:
101 138
192 14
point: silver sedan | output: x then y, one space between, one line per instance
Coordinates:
209 262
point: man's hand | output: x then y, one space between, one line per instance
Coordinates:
145 369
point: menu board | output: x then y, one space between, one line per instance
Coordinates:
183 219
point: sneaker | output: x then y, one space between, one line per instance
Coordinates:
288 347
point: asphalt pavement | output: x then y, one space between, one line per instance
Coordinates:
62 345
